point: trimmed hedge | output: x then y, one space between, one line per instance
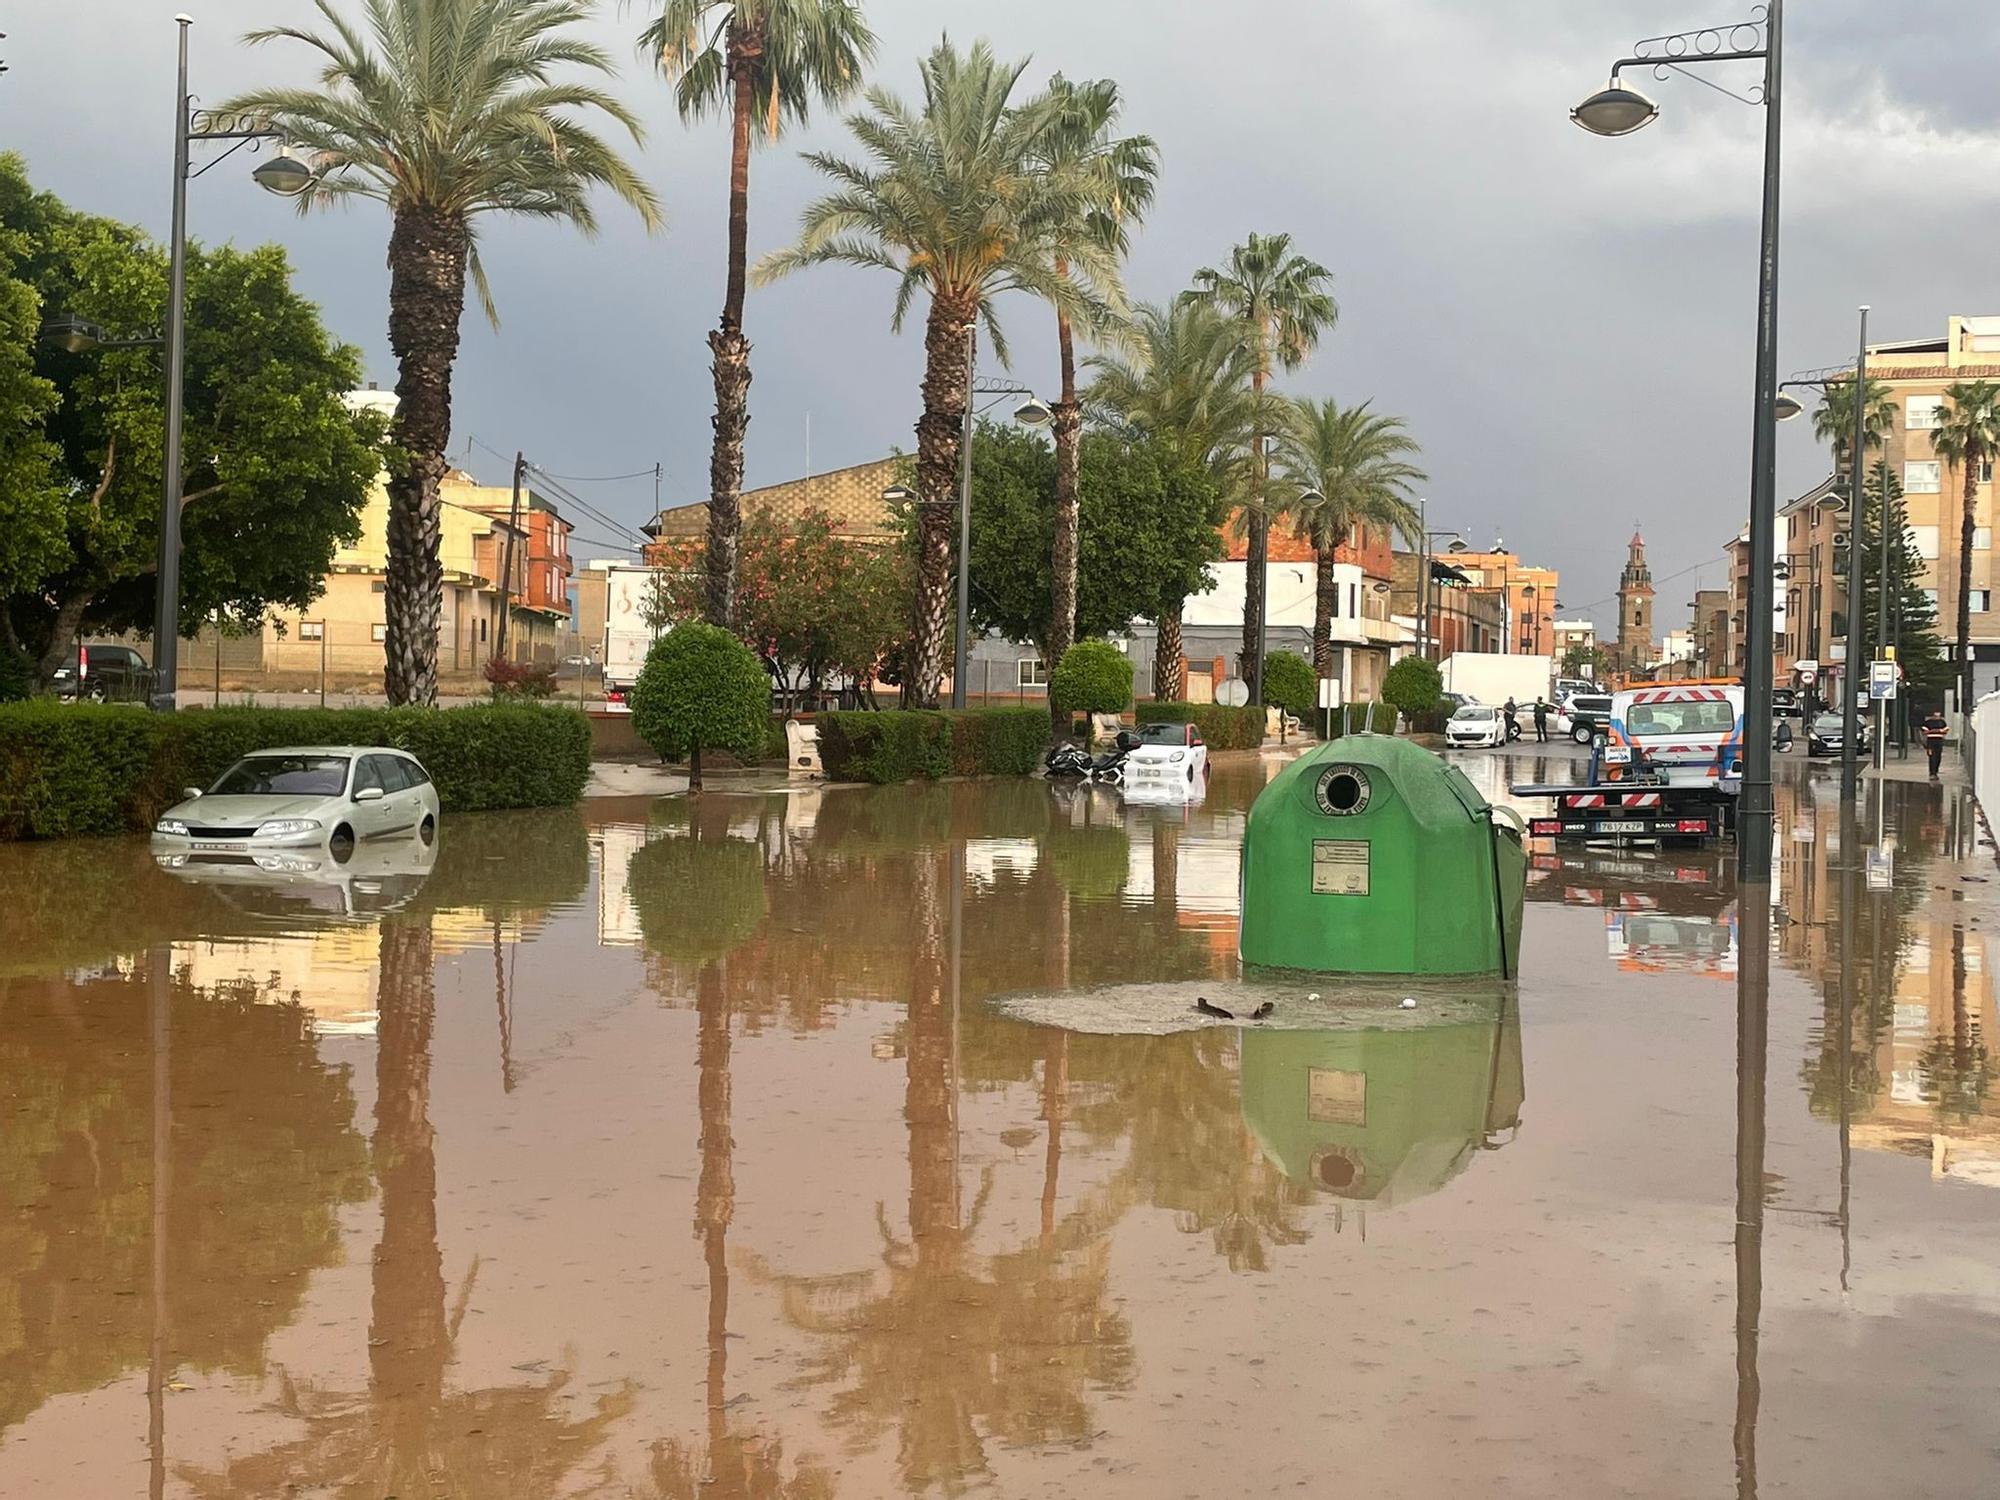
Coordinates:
1093 677
1291 684
84 768
908 744
1223 728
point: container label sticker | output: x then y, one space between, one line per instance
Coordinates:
1340 867
1335 1096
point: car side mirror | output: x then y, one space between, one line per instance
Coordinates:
191 792
369 794
1127 740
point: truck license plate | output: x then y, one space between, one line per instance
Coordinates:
1621 827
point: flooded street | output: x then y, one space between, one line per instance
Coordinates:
662 1149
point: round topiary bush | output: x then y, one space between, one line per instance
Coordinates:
1291 684
1413 685
701 689
1094 677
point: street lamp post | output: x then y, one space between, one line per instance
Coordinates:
1426 634
285 175
1615 110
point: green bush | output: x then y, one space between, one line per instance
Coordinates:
1413 685
1094 677
17 677
1361 718
69 769
1291 684
1222 728
906 745
702 689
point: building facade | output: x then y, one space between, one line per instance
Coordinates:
1710 628
1635 610
1527 593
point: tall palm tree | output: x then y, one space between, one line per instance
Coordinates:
1283 298
766 60
1187 383
1352 469
957 201
1120 172
1968 433
1833 420
444 111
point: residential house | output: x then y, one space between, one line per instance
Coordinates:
1528 593
1463 616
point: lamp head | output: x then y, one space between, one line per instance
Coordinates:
899 494
284 174
1033 413
72 335
1311 497
1615 110
1786 406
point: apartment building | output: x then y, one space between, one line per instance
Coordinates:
1528 595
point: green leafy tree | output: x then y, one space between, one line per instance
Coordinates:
958 201
1413 685
445 110
1833 420
1147 520
1282 300
755 60
1094 677
1968 433
1585 661
701 689
1186 386
1350 469
1291 684
1118 175
277 469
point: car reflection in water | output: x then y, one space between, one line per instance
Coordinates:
313 885
1665 911
1383 1117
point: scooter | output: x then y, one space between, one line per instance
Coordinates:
1110 766
1068 760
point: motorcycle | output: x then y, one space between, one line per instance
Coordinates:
1066 760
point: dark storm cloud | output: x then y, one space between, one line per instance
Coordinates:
1565 322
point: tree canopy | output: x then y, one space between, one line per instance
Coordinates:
277 467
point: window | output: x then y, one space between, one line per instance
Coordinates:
1921 477
1981 598
394 778
1920 413
1925 540
482 627
1930 597
1985 471
378 587
369 773
1336 601
1982 539
312 630
1354 600
1031 671
378 633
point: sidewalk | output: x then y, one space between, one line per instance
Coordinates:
1951 772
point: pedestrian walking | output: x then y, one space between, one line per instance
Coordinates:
1934 729
1541 722
1508 711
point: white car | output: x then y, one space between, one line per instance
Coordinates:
1166 757
319 797
1475 724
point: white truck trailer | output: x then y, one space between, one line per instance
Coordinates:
1492 677
627 635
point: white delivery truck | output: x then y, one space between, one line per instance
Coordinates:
627 634
1492 677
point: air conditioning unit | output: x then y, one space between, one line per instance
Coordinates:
1840 541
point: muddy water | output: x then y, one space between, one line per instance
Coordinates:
675 1151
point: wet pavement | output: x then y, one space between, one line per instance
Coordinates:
659 1150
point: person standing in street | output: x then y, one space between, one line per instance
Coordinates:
1934 728
1541 722
1507 713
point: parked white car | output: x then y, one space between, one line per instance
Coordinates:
331 797
1167 757
1475 725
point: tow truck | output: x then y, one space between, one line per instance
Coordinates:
1667 767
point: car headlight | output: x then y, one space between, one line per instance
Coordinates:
171 825
278 827
1178 756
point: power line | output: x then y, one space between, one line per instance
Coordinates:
554 483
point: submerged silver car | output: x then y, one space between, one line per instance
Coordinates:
331 797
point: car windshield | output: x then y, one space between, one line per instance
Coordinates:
1827 724
284 776
1585 705
1470 712
1163 734
1708 716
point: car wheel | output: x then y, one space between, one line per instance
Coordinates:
428 830
1581 734
341 844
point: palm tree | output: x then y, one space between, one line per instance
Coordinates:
1187 384
1283 298
768 60
1967 434
1352 469
1833 421
955 199
445 111
1122 172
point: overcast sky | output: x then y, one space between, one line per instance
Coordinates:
1565 322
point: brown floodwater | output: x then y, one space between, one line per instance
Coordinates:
672 1149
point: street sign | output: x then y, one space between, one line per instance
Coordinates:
1232 692
1329 692
1881 870
1882 679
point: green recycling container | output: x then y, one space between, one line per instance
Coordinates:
1382 1117
1370 855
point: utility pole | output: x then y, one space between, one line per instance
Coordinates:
1853 680
507 562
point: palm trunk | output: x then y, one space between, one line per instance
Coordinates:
1170 656
930 1097
1256 562
1323 596
427 260
1068 428
1965 529
731 350
947 366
